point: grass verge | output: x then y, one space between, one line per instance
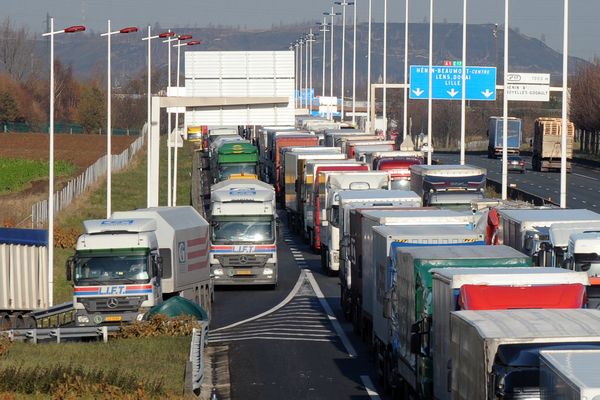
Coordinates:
152 367
17 174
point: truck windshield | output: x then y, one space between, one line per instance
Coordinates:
589 262
241 229
226 170
111 269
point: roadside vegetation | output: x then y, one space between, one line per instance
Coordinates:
17 174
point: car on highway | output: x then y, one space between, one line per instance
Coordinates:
516 163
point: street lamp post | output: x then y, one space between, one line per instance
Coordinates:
71 29
324 30
354 64
301 43
175 139
297 70
405 105
463 102
430 71
332 14
343 4
505 108
108 34
173 38
565 102
149 38
311 40
385 65
369 69
306 67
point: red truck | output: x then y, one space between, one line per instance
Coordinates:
291 140
398 168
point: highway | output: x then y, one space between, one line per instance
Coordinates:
583 189
292 343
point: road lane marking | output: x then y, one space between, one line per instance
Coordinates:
369 387
585 176
237 339
289 298
332 318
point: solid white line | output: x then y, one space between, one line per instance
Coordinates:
276 332
584 176
269 338
369 387
289 325
331 315
289 298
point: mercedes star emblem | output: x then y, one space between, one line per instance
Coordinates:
112 302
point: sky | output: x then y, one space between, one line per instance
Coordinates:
541 19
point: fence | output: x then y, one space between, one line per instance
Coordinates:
61 127
63 198
197 348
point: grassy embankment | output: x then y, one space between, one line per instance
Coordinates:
124 368
17 174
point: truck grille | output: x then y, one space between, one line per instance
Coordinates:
242 260
101 304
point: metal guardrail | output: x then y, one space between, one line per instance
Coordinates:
519 194
60 311
60 334
197 356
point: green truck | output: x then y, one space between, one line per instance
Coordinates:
236 159
408 305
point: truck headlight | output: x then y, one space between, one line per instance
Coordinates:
268 271
83 319
218 271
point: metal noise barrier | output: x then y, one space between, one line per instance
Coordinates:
76 186
197 356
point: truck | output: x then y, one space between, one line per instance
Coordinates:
338 212
398 168
360 250
569 374
329 184
359 146
496 354
125 265
216 132
279 142
25 283
448 185
244 229
407 296
496 133
494 289
372 157
526 229
546 145
235 159
332 134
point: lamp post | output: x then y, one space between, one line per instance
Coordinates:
173 38
108 34
430 71
149 38
332 14
297 79
310 40
405 105
324 30
175 139
301 44
565 97
354 64
343 4
385 65
505 108
463 102
71 29
369 69
306 67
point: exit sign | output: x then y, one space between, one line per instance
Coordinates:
448 63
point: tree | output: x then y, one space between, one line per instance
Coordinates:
17 50
91 111
9 110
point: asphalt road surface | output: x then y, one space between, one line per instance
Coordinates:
292 342
583 183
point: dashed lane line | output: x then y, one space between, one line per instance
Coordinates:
369 387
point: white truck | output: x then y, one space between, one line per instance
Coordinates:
569 374
24 279
448 185
495 354
133 261
335 183
244 231
338 213
493 288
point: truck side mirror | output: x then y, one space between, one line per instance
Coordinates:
415 338
570 264
387 305
69 268
159 266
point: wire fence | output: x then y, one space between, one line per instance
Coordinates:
62 127
76 186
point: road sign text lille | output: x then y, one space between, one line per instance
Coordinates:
447 82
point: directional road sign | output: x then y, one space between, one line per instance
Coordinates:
447 82
528 87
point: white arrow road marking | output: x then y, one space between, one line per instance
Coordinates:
418 92
452 92
487 93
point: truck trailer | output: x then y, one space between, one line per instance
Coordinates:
127 264
410 308
448 185
244 229
547 144
496 133
569 374
496 354
457 289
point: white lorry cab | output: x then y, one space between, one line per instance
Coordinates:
133 261
569 374
244 229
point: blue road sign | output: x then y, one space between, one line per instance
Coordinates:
447 82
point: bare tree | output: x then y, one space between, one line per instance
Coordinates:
16 50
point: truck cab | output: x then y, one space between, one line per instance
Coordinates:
236 159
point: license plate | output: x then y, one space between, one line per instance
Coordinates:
243 272
113 318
